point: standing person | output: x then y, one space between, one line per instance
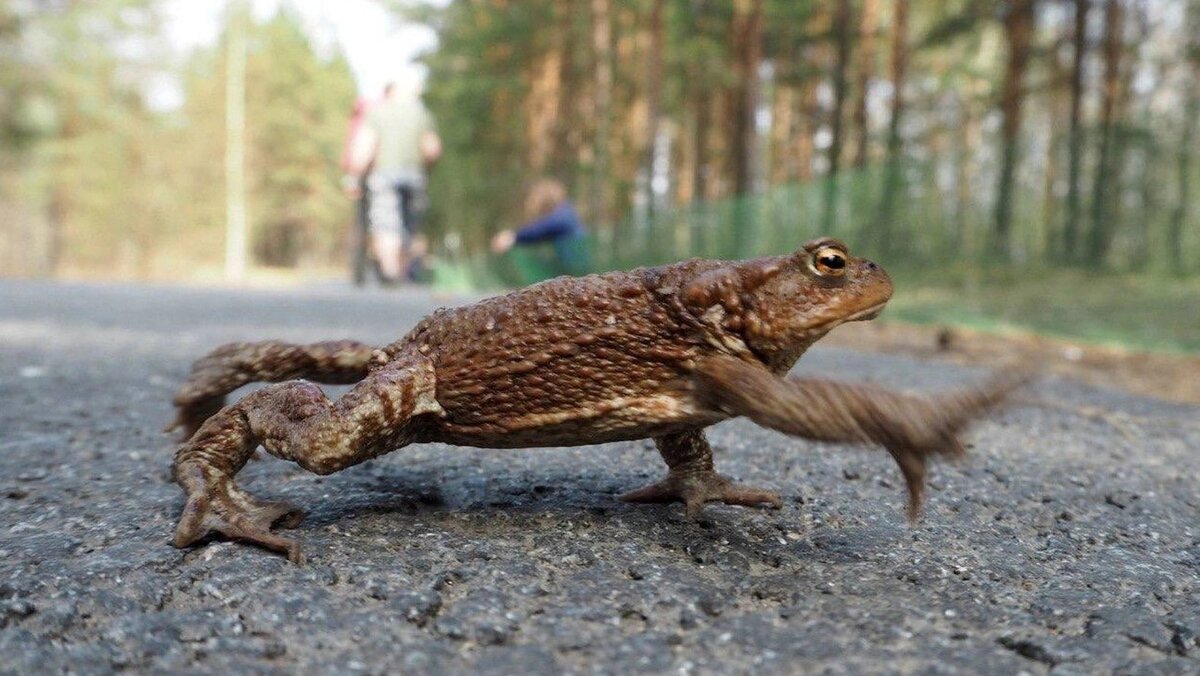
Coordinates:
358 115
551 218
354 185
393 148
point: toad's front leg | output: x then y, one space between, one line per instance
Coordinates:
912 428
692 480
294 421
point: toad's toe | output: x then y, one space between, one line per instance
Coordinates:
224 509
696 490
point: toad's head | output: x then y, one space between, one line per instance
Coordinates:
779 306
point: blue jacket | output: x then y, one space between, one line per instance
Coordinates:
562 222
565 232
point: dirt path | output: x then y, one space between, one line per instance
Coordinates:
1165 376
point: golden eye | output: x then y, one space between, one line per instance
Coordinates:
829 261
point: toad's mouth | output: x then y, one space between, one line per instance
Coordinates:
870 312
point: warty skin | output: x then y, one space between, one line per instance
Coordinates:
657 353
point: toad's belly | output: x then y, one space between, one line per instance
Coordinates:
615 419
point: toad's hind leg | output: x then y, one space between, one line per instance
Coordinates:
336 362
692 480
294 421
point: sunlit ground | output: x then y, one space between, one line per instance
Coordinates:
1139 312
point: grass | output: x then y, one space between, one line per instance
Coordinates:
1142 312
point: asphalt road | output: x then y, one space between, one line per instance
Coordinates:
1069 542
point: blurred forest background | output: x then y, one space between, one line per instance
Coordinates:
1022 161
1019 130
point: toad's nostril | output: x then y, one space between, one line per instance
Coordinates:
870 265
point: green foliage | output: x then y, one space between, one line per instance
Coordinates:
76 127
652 155
296 110
951 152
132 191
479 78
959 20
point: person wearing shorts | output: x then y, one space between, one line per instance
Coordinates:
394 147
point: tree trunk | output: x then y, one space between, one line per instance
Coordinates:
686 175
1179 215
56 212
602 52
703 123
630 106
893 178
653 86
1187 143
1070 245
964 175
703 177
742 106
747 53
1050 239
807 123
720 156
783 124
1144 162
567 137
1018 31
543 106
868 26
1104 199
841 37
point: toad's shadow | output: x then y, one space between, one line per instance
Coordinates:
414 492
590 496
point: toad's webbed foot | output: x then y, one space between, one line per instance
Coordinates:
694 490
217 505
692 480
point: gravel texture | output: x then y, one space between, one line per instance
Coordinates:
1068 543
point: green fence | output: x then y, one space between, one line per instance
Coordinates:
910 218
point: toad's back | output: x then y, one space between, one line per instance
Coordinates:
567 361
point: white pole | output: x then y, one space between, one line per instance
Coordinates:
235 150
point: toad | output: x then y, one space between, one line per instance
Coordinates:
654 353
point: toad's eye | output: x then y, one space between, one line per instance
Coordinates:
829 262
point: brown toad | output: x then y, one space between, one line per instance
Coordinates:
656 353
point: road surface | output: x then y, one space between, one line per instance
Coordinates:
1068 542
